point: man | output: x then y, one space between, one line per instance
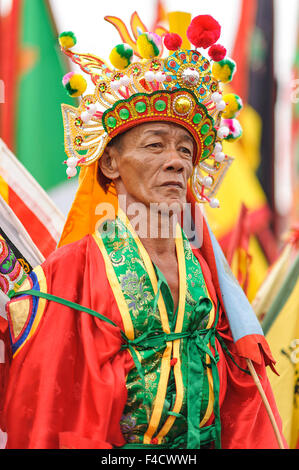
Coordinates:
122 340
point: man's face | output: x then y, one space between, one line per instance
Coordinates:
154 164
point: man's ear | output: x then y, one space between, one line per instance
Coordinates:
108 163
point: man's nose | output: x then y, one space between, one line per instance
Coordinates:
173 161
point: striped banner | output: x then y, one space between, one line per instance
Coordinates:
29 203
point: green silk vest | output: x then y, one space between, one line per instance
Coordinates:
171 391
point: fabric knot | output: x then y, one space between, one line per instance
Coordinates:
154 441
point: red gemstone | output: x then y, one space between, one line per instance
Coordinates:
173 361
172 63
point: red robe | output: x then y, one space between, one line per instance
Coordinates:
67 385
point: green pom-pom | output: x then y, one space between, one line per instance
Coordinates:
121 56
67 39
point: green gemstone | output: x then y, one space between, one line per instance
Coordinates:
78 122
205 153
140 107
155 65
197 118
111 121
205 129
102 87
160 105
209 140
124 114
78 140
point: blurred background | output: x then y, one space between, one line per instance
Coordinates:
257 222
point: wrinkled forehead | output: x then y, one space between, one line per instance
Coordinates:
167 129
162 129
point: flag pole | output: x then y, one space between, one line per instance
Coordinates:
266 403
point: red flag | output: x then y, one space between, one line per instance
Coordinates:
9 60
241 50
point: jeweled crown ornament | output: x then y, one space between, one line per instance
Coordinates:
151 78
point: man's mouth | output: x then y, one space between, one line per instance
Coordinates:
175 184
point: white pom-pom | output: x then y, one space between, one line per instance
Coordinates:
160 76
85 116
207 181
149 76
223 132
125 80
218 147
221 105
214 203
115 84
219 157
216 97
71 172
72 162
92 109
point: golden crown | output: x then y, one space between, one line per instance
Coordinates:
144 85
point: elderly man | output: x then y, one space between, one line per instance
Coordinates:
122 338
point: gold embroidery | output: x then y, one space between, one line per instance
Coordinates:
176 344
41 304
19 311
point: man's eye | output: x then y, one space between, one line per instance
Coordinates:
154 145
186 151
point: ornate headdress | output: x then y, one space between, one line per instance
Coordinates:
156 77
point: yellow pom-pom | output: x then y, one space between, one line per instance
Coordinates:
233 105
121 56
74 83
79 84
149 45
224 70
67 40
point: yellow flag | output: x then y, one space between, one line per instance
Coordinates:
241 186
281 328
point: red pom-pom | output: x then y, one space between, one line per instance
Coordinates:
217 52
203 31
172 41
